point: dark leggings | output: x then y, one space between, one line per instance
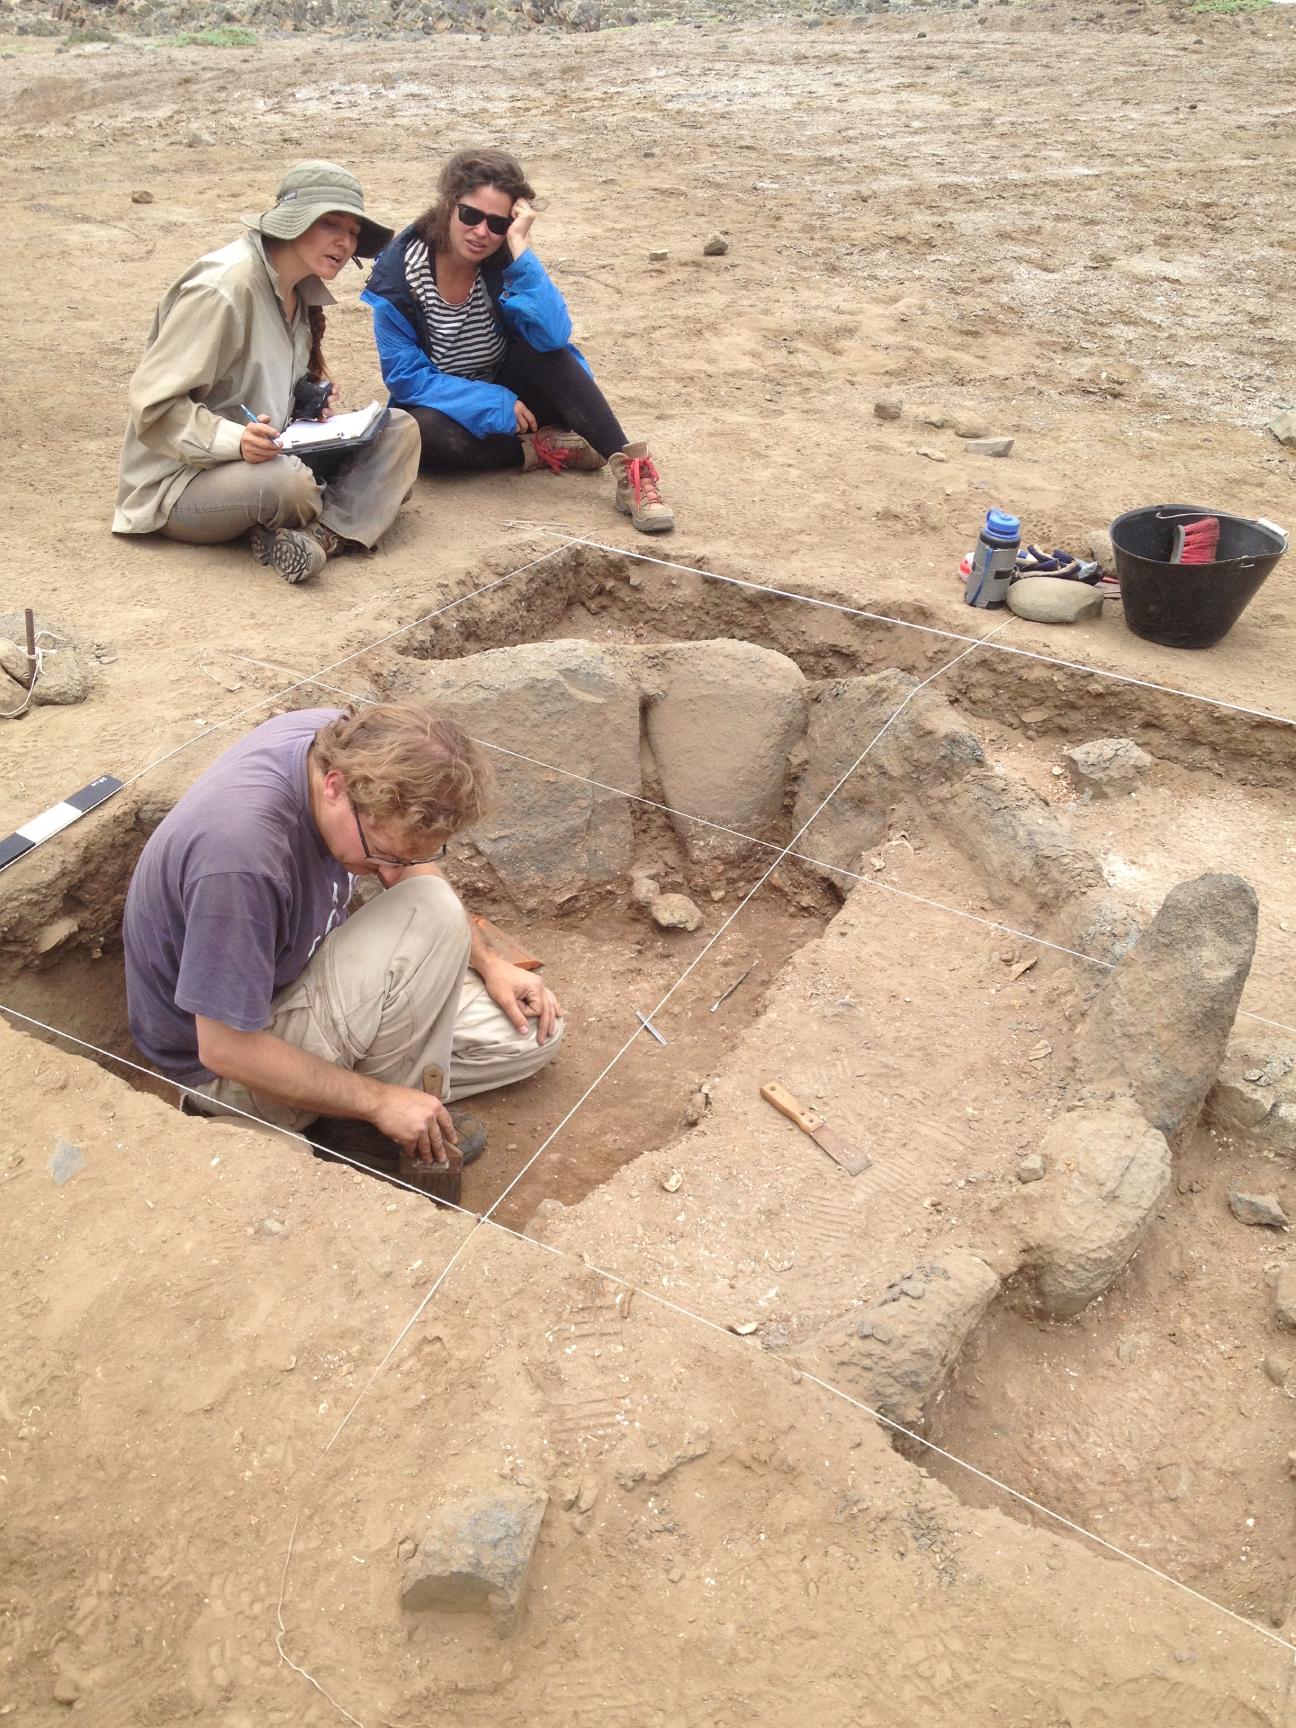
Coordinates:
555 387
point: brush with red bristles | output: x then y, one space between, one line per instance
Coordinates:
1196 542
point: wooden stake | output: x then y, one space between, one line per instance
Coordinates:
30 622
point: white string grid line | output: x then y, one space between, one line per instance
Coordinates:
807 858
927 629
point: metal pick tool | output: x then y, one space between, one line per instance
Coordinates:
648 1026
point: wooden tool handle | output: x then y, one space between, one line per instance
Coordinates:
783 1101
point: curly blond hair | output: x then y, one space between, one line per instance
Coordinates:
406 767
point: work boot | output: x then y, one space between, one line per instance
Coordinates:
296 553
638 495
555 450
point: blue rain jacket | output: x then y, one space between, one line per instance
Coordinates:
526 304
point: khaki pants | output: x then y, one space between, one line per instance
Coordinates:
359 502
388 994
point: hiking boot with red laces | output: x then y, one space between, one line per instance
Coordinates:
555 450
638 494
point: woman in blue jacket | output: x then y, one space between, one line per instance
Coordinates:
475 342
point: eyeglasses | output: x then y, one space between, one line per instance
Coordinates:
471 217
381 857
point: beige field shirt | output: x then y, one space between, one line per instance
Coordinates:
219 338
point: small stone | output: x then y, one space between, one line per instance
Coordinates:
1109 767
932 455
659 256
198 139
1255 1076
969 426
675 912
1285 1298
1100 549
695 1109
141 197
273 1227
644 890
66 1690
475 1556
888 408
914 1288
55 934
673 1183
715 246
989 446
1283 427
1257 1209
1291 1463
1277 1368
933 417
65 1163
406 1548
1031 1168
881 1334
1053 600
1126 1350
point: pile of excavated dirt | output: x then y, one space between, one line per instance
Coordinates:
610 1457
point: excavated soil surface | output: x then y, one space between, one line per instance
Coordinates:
199 1307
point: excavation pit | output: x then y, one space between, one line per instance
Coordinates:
903 839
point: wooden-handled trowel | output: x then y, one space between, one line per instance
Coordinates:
809 1122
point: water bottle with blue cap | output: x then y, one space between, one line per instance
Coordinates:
994 561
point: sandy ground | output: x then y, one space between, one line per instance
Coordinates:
1071 230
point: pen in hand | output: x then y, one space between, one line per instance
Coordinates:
259 421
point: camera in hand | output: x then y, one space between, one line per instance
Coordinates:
310 398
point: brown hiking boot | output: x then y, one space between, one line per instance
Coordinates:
638 495
555 450
296 553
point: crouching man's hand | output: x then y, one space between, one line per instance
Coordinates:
420 1123
523 996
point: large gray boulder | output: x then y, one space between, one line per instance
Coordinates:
924 744
474 1556
722 718
1108 1172
567 704
896 1354
1159 1026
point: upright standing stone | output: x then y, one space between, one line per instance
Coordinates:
1158 1028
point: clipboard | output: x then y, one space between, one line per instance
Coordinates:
334 437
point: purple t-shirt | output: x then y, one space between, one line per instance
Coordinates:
232 895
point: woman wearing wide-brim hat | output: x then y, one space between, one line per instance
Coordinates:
230 342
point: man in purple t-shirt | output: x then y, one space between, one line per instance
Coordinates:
248 984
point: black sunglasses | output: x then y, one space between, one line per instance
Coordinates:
471 217
381 858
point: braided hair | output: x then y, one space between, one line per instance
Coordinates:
315 367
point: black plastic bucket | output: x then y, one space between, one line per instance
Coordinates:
1189 605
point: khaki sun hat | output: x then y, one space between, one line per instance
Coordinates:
311 190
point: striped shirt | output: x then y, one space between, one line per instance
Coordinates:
463 340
